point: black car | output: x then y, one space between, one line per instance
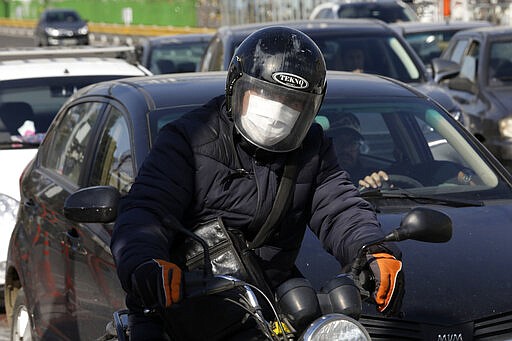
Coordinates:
174 53
430 39
384 51
386 10
476 70
61 277
60 26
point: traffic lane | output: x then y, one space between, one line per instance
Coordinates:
4 328
10 37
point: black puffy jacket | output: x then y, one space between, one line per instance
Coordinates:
191 173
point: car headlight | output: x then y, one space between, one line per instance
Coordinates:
505 126
52 31
83 30
336 327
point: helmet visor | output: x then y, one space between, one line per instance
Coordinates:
273 117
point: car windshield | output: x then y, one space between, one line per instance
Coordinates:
64 16
176 57
382 55
387 14
415 143
379 54
28 106
429 45
500 66
422 149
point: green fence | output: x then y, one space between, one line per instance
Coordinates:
133 12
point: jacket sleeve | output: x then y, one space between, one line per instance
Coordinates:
163 186
342 220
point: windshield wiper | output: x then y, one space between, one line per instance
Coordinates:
400 193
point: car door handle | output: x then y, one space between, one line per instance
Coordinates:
29 203
72 241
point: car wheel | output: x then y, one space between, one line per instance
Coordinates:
21 327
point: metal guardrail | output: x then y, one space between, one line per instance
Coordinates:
130 30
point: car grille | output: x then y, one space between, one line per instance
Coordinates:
497 327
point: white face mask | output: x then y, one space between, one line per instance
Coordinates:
267 122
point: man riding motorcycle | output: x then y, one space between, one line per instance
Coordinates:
226 159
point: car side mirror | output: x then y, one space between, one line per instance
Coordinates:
96 204
462 84
444 69
423 224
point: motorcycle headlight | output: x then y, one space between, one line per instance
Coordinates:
505 125
336 327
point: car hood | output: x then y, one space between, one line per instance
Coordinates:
446 284
16 161
438 94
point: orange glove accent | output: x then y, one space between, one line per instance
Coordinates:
171 277
158 283
387 271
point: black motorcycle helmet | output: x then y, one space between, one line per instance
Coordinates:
275 87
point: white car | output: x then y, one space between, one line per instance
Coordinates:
34 83
386 10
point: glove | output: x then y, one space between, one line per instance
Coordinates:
158 283
389 282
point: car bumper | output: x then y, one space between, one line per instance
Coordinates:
77 40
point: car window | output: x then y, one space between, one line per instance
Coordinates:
429 45
412 140
37 100
62 16
65 148
457 51
160 118
213 56
500 66
178 57
382 55
469 62
325 13
387 14
113 163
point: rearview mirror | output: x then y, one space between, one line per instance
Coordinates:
444 69
97 204
423 224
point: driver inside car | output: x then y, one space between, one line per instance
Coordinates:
350 143
349 153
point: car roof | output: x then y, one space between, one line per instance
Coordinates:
492 31
66 67
198 87
417 27
179 38
23 63
310 25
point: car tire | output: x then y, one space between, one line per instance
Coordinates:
21 326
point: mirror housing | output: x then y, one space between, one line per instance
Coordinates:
444 69
96 204
423 224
